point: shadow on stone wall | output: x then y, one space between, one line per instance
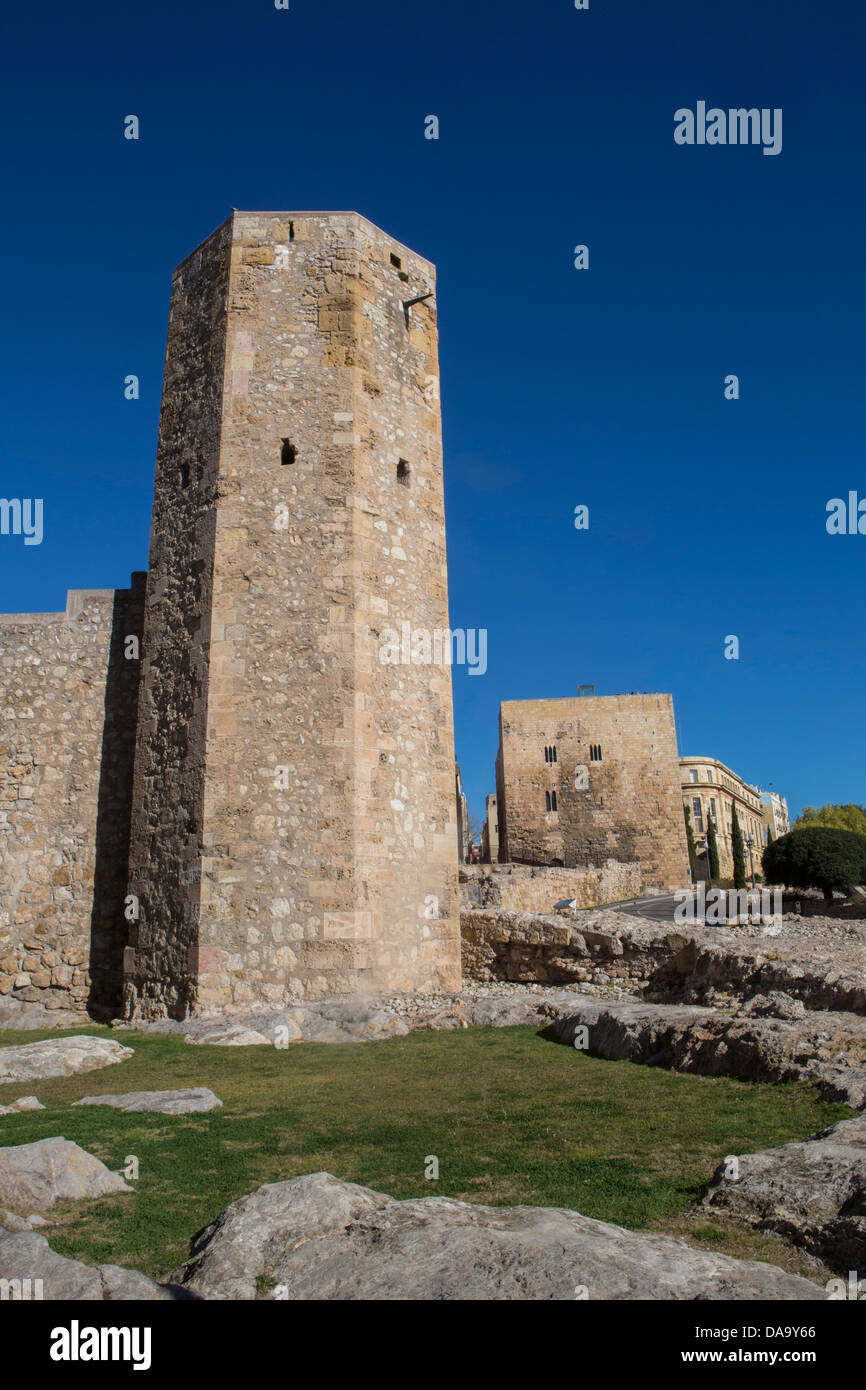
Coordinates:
108 927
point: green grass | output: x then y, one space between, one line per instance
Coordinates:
511 1117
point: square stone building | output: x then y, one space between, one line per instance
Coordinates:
583 780
290 817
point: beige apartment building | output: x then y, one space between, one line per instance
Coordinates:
711 790
776 817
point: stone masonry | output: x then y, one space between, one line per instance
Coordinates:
290 821
581 781
68 692
293 825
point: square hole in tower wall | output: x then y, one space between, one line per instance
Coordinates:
288 452
404 473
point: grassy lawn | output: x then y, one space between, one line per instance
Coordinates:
511 1117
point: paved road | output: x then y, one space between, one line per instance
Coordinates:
655 909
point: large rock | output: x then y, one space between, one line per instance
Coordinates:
814 1193
40 1174
59 1057
22 1103
18 1014
320 1238
25 1256
189 1102
827 1048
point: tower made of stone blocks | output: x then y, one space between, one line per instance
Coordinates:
293 822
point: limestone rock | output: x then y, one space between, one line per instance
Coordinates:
776 1004
326 1239
27 1256
188 1102
22 1103
39 1174
814 1192
235 1035
824 1047
16 1013
59 1057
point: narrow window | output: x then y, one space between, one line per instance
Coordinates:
693 776
291 231
546 754
553 801
698 813
404 473
553 752
396 262
184 475
288 453
547 801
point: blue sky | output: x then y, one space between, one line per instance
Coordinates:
559 387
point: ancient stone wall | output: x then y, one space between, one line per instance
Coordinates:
610 762
521 888
297 829
68 688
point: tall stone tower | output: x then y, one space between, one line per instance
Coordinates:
293 825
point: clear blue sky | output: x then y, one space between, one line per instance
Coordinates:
559 387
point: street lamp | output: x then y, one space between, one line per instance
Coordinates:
750 840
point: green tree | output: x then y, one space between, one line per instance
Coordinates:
738 850
714 871
690 841
817 857
848 817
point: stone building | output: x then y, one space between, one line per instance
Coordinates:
775 812
463 837
712 790
490 833
582 781
290 818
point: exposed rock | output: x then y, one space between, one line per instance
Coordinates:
776 1004
59 1057
823 965
16 1013
829 1049
325 1239
25 1256
191 1101
40 1174
235 1035
814 1192
22 1103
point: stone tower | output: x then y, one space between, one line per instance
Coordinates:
293 822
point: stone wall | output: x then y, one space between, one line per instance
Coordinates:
295 828
613 769
522 888
68 699
532 948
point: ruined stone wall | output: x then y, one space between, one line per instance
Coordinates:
630 807
521 888
161 964
68 697
309 785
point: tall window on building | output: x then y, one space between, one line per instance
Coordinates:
553 801
698 813
550 753
547 801
595 752
709 774
693 775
